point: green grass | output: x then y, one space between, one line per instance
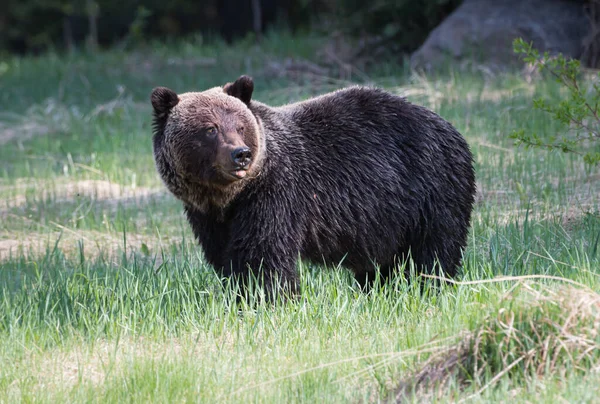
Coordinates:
104 295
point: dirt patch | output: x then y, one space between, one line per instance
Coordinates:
13 245
100 190
14 242
94 363
10 247
95 243
106 191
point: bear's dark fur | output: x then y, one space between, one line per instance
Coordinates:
358 176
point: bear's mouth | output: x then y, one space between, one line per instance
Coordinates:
230 174
235 174
238 173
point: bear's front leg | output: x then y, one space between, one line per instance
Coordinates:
264 246
272 269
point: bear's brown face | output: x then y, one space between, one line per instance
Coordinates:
211 138
205 140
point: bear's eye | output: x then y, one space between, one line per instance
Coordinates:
240 130
211 131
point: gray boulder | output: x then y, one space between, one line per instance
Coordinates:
483 30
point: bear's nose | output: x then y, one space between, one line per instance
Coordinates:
241 156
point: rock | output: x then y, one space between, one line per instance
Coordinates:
483 30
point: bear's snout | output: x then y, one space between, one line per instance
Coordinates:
241 157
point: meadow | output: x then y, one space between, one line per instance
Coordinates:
105 296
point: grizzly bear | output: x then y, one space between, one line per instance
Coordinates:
358 176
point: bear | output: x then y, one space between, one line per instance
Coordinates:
359 177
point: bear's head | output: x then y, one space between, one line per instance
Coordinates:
207 145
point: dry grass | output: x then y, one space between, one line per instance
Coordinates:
110 196
96 243
435 92
100 190
538 333
49 117
92 363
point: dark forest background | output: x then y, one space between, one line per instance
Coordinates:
38 25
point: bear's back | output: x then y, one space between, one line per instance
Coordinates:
363 165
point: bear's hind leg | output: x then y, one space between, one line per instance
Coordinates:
364 280
437 260
378 274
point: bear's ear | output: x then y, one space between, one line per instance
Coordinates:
163 100
242 88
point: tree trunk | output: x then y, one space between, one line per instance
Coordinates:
68 33
257 19
92 12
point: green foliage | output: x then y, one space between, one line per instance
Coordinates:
32 23
577 114
37 25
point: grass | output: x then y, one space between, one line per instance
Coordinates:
104 296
